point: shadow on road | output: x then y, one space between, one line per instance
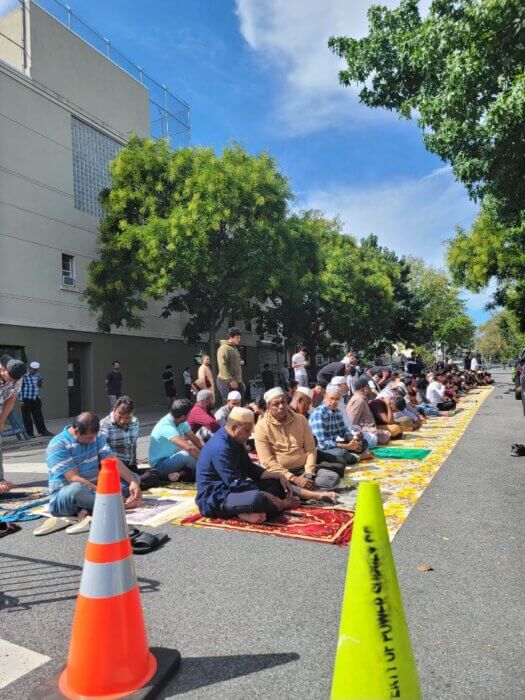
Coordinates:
200 671
26 582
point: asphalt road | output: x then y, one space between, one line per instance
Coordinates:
257 617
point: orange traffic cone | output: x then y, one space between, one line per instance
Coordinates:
109 655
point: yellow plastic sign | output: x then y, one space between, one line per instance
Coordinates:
374 656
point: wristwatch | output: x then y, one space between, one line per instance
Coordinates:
310 477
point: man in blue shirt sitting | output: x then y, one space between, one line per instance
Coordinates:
230 485
73 458
173 447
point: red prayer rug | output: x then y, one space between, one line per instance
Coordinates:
329 525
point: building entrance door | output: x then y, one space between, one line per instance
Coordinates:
74 389
79 377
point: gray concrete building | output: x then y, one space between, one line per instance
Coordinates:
68 102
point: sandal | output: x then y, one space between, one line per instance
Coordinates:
517 450
146 542
8 529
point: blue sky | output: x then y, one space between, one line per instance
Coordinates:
259 71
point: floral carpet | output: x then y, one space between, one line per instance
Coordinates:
402 482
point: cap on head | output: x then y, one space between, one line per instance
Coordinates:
15 368
241 415
338 380
306 391
234 396
204 394
333 389
34 365
273 393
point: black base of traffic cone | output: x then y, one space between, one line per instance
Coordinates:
168 663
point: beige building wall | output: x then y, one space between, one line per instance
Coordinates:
39 222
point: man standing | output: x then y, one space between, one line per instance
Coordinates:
169 386
229 364
73 459
30 402
121 430
11 373
173 447
299 364
285 375
186 377
113 384
230 485
267 378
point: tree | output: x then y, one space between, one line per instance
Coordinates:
498 338
197 232
461 71
443 316
491 251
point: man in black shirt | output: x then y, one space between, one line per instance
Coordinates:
113 384
331 370
267 378
169 386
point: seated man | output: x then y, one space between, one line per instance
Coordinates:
72 459
359 413
121 430
200 418
173 447
384 417
436 395
285 444
230 485
404 416
331 432
234 399
302 400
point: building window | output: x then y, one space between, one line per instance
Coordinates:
92 152
68 271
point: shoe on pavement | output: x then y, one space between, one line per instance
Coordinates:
82 526
47 434
517 450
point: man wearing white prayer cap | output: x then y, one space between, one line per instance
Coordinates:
285 445
302 400
230 485
30 402
234 398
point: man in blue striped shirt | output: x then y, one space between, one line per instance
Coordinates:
331 432
72 459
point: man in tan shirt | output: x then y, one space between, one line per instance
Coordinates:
285 443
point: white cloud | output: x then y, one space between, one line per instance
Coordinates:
411 216
292 35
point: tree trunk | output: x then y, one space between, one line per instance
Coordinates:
212 350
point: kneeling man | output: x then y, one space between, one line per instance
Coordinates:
230 485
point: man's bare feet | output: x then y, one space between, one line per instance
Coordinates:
255 518
365 455
174 476
83 513
5 486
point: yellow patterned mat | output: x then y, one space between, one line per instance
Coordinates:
403 481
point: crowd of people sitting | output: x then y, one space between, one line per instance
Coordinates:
254 461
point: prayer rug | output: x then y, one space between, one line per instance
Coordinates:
399 453
158 511
328 525
22 497
403 481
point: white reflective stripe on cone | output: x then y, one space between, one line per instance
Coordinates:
107 580
109 521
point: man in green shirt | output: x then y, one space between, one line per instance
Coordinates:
229 364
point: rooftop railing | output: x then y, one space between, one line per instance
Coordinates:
169 114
